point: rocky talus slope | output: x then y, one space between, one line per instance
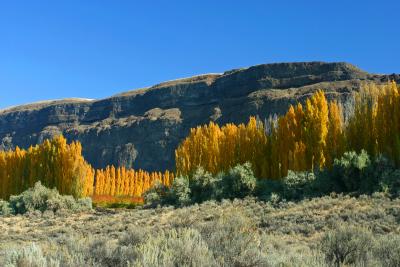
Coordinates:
142 128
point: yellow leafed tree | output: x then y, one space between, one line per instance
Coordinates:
55 163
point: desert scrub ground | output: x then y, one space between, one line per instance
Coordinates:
229 233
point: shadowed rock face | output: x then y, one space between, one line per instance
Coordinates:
142 128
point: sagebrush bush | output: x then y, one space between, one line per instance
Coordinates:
102 252
387 250
64 251
31 256
347 245
133 237
71 250
176 247
44 199
235 241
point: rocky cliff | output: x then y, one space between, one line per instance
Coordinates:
142 128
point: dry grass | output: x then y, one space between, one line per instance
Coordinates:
293 229
317 215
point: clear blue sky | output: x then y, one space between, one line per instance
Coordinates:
94 49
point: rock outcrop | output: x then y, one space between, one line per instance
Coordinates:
142 128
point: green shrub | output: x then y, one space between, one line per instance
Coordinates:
5 208
156 195
357 173
381 176
239 182
265 188
351 170
179 192
347 245
204 186
390 182
44 199
297 185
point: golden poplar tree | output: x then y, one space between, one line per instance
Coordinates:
361 130
54 162
335 140
316 130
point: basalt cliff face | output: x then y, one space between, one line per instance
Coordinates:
142 128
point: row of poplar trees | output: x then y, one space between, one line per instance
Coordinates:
307 137
120 181
57 164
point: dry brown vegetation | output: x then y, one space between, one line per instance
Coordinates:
284 233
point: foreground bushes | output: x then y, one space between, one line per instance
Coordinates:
40 198
347 245
230 240
352 246
387 251
236 233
